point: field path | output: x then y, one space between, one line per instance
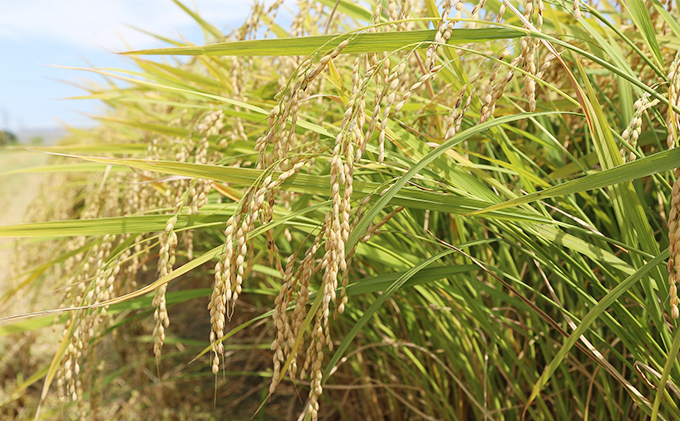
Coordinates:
16 193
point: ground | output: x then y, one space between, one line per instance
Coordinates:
16 193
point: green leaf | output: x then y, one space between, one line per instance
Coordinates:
661 387
205 25
641 18
387 197
373 308
102 226
359 43
70 168
350 8
320 185
670 20
554 236
590 318
652 164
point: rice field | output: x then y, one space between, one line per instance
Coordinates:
356 210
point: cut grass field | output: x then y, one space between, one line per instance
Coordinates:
17 191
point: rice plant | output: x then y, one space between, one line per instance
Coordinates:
365 210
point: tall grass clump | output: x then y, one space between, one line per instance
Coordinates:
355 210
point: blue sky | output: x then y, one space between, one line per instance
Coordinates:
77 33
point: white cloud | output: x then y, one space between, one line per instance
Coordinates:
102 23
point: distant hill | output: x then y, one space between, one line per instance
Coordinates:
49 136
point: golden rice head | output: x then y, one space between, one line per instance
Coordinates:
674 247
82 325
474 14
632 132
166 261
577 10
